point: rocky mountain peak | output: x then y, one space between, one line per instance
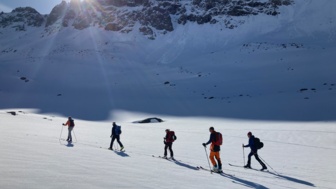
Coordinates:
21 17
149 17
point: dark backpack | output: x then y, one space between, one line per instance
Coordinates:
218 139
258 144
117 130
72 123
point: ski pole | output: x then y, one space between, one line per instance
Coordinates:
243 155
268 165
61 134
74 134
206 153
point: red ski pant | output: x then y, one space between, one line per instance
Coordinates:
213 156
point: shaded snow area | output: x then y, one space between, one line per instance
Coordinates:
270 68
298 155
272 75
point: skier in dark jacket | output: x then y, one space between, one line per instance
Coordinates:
168 142
116 131
254 151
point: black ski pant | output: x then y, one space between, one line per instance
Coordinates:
257 158
168 145
118 140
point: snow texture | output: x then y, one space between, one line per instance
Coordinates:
274 76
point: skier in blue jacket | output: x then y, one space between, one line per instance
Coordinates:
254 151
116 132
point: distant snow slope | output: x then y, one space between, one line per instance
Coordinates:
270 68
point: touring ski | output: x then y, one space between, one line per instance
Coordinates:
212 171
166 158
261 170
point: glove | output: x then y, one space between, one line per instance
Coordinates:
204 144
63 124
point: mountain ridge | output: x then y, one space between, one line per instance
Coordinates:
153 17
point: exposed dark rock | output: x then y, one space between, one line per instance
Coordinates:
113 27
130 3
150 120
82 21
158 18
12 113
68 16
147 31
303 89
23 15
56 13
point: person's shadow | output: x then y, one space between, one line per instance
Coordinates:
121 153
243 182
293 179
184 165
69 144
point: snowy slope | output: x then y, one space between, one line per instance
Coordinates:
253 72
273 76
32 156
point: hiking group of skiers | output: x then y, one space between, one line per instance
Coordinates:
215 140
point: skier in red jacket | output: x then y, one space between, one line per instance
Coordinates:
71 124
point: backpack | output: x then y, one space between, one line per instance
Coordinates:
258 144
218 139
72 123
171 136
117 130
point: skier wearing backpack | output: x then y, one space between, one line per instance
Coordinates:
116 132
254 151
168 142
216 141
71 124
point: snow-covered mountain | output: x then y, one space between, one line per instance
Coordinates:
145 16
265 60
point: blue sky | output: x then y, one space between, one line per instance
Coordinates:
42 6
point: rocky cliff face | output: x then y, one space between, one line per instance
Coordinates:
19 18
148 17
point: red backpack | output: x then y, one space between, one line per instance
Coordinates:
218 139
171 137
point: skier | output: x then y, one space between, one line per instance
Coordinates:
168 141
215 140
71 124
116 132
254 151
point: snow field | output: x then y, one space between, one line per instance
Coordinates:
33 157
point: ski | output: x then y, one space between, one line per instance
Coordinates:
169 159
221 173
232 165
116 150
